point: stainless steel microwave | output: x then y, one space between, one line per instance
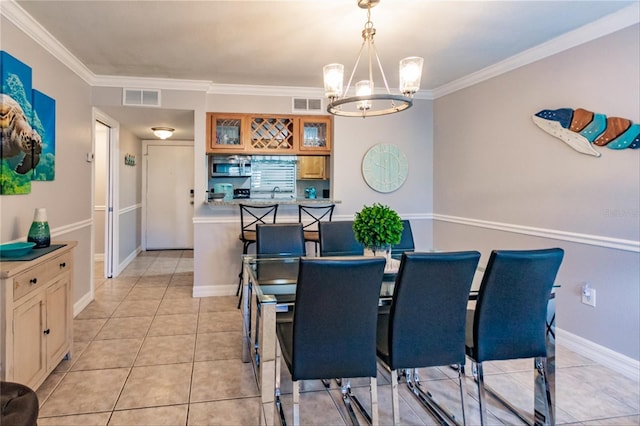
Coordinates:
230 165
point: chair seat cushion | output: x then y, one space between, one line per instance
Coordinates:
311 236
18 404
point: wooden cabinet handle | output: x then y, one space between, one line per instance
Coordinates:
33 281
63 265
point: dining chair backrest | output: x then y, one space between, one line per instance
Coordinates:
335 317
338 239
511 310
432 288
253 215
406 243
280 239
311 216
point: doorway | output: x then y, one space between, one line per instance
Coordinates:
168 194
105 140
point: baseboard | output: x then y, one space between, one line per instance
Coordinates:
81 304
618 362
215 290
127 261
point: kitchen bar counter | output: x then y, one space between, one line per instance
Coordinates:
258 201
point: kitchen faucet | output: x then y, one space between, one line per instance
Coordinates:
274 190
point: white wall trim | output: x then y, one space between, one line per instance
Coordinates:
130 208
98 257
594 240
608 24
72 227
618 362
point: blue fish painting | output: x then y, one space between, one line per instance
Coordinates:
582 129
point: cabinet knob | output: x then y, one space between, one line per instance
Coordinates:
63 265
47 331
33 281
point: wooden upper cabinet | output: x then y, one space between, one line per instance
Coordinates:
226 132
229 133
315 135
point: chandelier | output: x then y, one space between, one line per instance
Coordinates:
366 102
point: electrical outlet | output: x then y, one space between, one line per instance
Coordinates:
588 295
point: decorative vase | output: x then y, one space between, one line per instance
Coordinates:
39 232
384 251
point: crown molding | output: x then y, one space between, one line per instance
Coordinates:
20 18
151 83
606 25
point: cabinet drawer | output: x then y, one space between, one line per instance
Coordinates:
36 277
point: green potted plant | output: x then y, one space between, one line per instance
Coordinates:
377 228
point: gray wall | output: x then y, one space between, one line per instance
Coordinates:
130 196
494 168
67 198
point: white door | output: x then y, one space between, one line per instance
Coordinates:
169 198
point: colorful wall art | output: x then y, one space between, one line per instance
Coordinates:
582 129
27 129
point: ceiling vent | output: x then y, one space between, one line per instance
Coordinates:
141 97
306 105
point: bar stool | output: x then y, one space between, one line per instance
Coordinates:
310 217
250 217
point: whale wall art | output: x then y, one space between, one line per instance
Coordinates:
582 129
27 129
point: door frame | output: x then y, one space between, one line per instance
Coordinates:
145 145
111 239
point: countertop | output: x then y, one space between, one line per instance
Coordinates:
258 201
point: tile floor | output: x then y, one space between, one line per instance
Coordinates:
147 353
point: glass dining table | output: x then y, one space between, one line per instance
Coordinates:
269 289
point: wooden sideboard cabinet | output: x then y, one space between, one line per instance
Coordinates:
37 315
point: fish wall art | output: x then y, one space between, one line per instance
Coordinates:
582 129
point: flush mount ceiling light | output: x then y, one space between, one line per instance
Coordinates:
366 102
163 132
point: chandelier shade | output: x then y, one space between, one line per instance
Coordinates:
366 102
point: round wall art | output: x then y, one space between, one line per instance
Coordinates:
385 167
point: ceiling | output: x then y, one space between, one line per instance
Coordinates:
286 43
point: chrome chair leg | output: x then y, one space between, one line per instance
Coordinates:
348 396
346 399
440 413
278 405
547 417
395 400
482 397
296 403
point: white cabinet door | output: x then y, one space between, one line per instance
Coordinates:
169 203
